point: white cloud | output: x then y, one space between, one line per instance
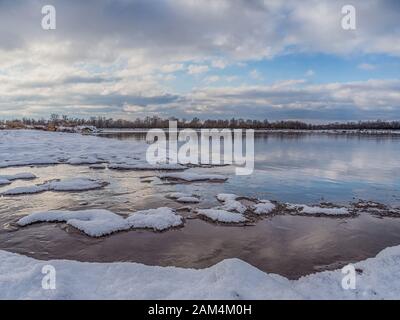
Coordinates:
295 99
197 69
220 64
212 79
172 67
110 55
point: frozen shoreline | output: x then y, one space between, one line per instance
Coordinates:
20 148
21 276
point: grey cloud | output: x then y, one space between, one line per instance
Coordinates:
334 102
105 35
240 29
119 99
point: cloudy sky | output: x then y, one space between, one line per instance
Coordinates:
257 59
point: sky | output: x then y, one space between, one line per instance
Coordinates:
218 59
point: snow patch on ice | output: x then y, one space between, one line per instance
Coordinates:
315 210
98 222
220 215
158 219
264 207
183 197
68 185
230 203
188 200
94 222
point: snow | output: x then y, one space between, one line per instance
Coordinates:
20 278
315 210
230 203
68 185
264 207
94 222
99 222
158 219
188 200
220 215
7 179
192 177
183 197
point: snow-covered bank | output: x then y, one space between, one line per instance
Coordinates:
21 278
98 222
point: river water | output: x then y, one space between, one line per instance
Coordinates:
297 168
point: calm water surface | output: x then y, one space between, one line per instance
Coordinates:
300 168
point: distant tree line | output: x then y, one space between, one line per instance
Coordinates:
157 122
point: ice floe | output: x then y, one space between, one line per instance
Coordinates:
318 210
183 197
192 177
7 179
376 208
220 215
230 203
228 279
157 219
94 223
188 200
99 222
263 207
67 185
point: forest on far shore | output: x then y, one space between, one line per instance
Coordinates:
55 121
